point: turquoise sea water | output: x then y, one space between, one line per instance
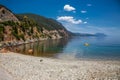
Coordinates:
99 47
74 48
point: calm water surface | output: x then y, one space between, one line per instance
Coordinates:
74 48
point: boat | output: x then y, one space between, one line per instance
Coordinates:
86 44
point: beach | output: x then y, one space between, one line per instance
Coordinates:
14 66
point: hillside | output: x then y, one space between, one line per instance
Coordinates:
6 14
26 27
47 23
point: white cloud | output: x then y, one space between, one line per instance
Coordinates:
85 22
89 4
83 11
112 31
69 19
67 7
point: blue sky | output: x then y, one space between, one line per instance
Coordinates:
84 16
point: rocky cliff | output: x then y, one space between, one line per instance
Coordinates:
28 27
6 14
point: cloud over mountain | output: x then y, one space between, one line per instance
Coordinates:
69 19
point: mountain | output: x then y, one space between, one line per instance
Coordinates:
25 27
100 34
48 23
6 14
82 34
88 34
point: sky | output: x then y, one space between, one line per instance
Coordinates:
82 16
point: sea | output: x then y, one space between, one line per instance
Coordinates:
76 47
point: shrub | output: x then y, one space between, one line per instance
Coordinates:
16 35
22 36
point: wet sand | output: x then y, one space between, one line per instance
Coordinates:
22 67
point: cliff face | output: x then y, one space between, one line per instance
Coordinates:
6 15
47 24
28 27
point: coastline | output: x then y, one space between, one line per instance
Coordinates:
6 46
22 67
17 43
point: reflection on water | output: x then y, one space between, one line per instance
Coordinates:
99 47
48 48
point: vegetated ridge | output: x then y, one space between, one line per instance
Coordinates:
27 27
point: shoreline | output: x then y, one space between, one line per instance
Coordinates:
5 44
23 67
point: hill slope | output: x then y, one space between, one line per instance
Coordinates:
24 27
6 14
47 23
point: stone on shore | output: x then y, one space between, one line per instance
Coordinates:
22 67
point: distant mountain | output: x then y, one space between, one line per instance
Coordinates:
87 34
25 27
28 27
100 34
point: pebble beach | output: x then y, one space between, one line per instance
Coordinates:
15 66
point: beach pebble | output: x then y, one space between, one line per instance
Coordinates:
41 60
22 67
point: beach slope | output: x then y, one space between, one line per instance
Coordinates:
22 67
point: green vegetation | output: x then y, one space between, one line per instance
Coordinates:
1 32
43 22
25 25
22 37
6 23
28 22
16 35
28 26
1 28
